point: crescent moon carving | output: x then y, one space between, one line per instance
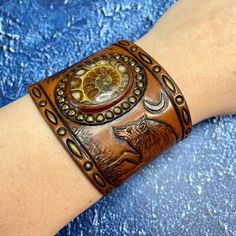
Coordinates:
156 107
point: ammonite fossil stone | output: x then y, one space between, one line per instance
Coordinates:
99 82
101 89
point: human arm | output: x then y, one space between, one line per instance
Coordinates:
45 195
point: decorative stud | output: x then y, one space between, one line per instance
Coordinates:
90 119
125 105
117 57
132 99
179 99
60 92
132 63
60 99
133 48
100 118
88 166
125 58
139 76
65 107
61 85
71 112
156 68
117 110
137 69
109 115
61 131
137 92
80 117
43 103
140 84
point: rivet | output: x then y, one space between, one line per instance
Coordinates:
109 115
61 131
88 166
117 57
60 92
139 76
117 110
125 105
133 48
60 99
137 91
71 112
179 99
90 119
156 68
132 63
132 99
61 85
100 118
80 117
137 69
140 84
43 103
65 107
125 58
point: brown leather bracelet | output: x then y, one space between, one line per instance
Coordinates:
113 112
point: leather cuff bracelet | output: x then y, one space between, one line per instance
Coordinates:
113 112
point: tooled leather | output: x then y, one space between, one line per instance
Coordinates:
113 112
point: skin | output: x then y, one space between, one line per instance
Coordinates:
41 188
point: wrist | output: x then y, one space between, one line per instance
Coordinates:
208 86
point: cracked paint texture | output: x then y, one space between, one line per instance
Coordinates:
191 189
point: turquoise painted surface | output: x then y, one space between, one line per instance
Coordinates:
188 191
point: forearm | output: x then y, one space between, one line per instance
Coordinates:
42 188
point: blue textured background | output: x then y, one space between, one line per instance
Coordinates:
188 191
